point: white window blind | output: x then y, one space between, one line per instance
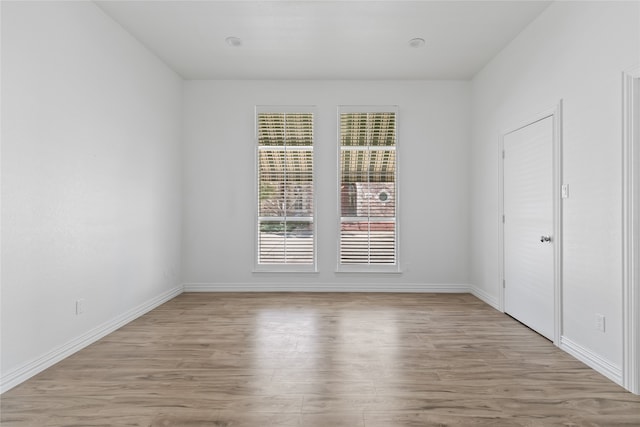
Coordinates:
368 230
285 220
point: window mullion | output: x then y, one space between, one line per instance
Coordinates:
368 196
369 141
285 209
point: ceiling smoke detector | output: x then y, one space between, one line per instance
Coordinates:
416 42
233 41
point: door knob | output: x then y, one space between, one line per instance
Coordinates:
545 239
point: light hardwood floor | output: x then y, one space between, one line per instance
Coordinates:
330 360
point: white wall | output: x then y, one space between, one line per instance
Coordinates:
575 51
219 174
91 126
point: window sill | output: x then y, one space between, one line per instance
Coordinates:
370 269
280 270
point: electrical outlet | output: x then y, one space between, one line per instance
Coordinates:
600 325
79 307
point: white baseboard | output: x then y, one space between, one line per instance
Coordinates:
485 297
35 366
589 358
327 287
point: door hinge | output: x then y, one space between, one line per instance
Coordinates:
503 218
504 283
503 154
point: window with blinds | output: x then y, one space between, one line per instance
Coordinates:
285 220
368 189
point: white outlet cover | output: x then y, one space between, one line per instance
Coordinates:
79 306
600 322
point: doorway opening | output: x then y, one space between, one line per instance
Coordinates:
631 230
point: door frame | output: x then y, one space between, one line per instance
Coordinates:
631 231
556 113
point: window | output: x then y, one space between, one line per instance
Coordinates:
285 190
368 189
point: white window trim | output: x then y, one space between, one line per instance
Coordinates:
367 268
282 268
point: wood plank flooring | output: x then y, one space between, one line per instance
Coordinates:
330 360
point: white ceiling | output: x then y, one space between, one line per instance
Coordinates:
325 39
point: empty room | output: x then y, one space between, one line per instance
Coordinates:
320 213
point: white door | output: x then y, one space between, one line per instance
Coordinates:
528 226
